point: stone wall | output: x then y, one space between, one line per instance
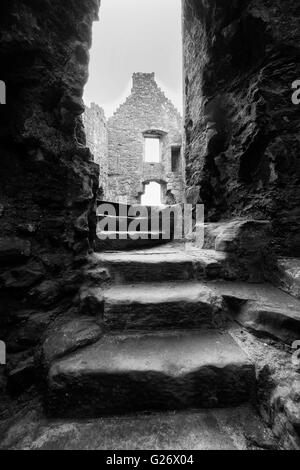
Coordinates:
241 128
97 140
48 181
146 110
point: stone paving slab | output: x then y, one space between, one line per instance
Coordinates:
223 429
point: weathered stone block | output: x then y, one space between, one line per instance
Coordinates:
286 399
14 249
22 277
46 294
277 321
30 331
21 377
91 304
82 225
248 236
70 336
286 275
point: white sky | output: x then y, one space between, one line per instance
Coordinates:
135 36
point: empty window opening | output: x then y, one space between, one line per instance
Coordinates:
2 92
152 195
152 150
176 159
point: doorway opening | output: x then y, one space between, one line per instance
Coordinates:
152 195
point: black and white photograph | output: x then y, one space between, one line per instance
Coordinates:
150 228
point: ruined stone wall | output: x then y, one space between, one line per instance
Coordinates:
48 180
95 127
241 128
146 109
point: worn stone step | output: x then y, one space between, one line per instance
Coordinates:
128 244
122 224
168 305
119 209
261 308
169 265
129 235
129 373
124 217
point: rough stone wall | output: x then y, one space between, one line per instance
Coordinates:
146 109
48 181
241 128
95 127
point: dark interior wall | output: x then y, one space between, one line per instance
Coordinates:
48 181
242 130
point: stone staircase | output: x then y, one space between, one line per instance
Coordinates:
115 222
154 333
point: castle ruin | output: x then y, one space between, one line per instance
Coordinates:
140 146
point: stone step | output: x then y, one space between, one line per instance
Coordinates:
119 209
128 235
170 265
117 223
155 306
122 224
130 373
261 308
117 243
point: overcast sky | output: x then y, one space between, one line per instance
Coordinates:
135 36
